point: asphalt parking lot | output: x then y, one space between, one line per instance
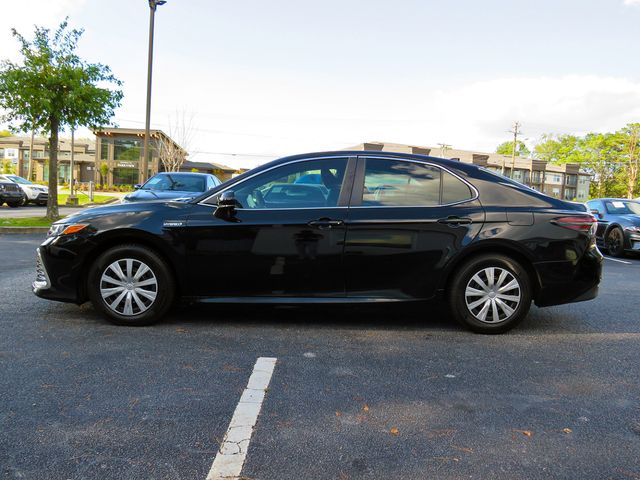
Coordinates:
356 392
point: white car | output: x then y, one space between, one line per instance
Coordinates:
33 193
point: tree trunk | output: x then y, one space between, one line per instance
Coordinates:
52 203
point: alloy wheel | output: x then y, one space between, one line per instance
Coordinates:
614 241
492 295
128 287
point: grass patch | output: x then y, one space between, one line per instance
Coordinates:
25 222
83 199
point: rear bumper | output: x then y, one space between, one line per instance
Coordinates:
569 281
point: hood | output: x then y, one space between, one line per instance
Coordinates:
629 219
152 196
135 210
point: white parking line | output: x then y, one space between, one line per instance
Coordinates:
233 451
621 261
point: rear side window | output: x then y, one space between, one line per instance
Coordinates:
395 183
454 190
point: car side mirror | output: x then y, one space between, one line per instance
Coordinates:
596 212
226 205
137 186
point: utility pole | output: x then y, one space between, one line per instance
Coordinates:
444 147
516 131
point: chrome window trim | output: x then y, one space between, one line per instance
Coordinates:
474 190
309 159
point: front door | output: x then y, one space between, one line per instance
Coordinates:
285 238
407 219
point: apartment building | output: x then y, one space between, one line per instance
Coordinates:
16 149
119 148
561 181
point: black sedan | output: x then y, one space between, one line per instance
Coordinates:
381 227
618 224
172 186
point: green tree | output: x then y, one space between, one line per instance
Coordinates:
630 161
52 88
104 171
557 148
506 148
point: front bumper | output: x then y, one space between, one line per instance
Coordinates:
10 196
569 281
58 273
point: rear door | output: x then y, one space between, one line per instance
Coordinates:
407 218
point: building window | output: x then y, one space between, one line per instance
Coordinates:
128 150
125 176
104 150
63 173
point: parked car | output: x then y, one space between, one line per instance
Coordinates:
391 228
618 224
10 193
172 186
33 193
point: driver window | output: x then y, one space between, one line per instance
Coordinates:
307 184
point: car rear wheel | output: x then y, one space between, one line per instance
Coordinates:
131 285
615 242
490 294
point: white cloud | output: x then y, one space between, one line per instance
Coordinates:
632 2
478 114
24 14
275 117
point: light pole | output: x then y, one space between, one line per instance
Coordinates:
153 4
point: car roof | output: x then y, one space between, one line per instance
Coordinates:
615 199
179 174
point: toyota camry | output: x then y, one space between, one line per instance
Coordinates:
370 227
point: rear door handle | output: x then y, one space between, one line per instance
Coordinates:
325 223
452 220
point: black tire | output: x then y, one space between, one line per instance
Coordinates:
42 204
24 201
14 204
160 273
463 278
615 242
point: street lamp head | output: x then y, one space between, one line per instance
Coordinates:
154 3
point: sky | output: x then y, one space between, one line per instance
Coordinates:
259 79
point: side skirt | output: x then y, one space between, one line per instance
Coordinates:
297 300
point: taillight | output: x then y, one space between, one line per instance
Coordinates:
583 223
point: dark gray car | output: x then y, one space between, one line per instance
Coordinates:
173 186
618 224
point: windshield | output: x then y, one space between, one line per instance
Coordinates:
622 207
182 183
17 179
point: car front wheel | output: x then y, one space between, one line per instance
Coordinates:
615 242
131 285
490 294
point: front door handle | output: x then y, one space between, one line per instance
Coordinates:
325 223
453 220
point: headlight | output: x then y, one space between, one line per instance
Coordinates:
58 229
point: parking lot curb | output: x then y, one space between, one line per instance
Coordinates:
24 229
